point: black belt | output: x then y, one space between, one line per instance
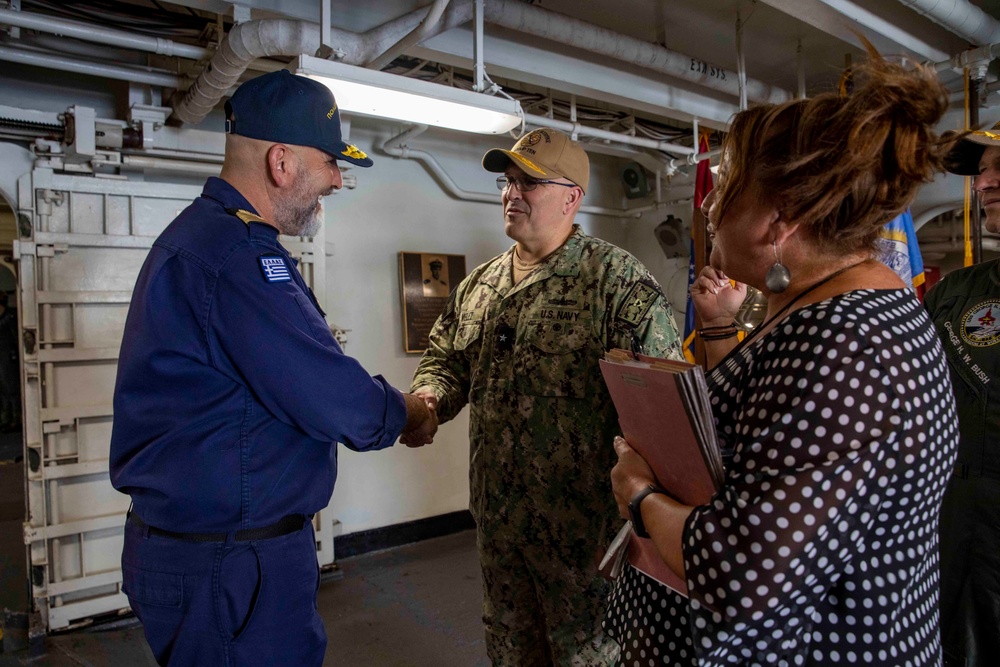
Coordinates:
290 524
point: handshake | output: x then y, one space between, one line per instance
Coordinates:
421 418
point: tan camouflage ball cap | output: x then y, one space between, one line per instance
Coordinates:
546 154
964 157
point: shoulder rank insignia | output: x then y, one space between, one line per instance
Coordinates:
640 298
246 216
274 268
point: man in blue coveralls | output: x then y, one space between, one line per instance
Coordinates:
232 394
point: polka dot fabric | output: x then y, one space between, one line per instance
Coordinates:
822 547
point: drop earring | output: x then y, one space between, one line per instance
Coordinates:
778 277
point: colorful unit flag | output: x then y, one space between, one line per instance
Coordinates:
899 251
702 186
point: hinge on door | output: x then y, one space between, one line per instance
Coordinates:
31 533
51 250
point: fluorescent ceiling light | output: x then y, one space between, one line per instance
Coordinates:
372 93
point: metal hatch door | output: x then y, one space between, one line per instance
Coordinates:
77 266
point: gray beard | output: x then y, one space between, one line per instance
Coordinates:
294 219
299 221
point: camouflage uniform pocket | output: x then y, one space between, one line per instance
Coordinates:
467 334
552 359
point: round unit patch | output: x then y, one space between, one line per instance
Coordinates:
981 324
534 138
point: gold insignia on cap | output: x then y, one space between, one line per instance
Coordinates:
528 163
333 110
986 133
354 152
532 138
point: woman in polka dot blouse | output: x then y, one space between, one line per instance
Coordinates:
821 548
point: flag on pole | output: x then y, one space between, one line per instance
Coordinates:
899 251
702 186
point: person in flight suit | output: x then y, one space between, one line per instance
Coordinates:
232 394
519 341
965 307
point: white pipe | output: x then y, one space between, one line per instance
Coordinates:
931 213
245 43
583 130
422 32
93 33
479 77
533 20
267 38
163 164
277 37
977 58
396 146
78 66
693 159
960 17
171 81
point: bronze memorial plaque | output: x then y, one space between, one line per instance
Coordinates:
425 281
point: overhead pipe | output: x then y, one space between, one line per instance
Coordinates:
977 58
280 37
533 20
78 66
397 147
960 17
267 38
90 32
173 81
251 40
695 158
422 32
55 45
924 217
597 133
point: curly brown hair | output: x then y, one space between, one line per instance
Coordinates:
842 166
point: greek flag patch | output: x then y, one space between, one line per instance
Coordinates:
274 268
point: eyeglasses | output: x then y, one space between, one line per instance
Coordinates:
526 184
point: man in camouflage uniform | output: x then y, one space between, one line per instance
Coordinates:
519 341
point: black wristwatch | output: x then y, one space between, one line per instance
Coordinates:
635 511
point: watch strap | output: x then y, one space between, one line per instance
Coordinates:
635 509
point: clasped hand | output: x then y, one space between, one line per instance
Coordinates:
421 419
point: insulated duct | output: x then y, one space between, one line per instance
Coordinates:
532 20
422 32
280 37
268 38
960 17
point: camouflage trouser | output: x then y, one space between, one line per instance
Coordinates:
543 607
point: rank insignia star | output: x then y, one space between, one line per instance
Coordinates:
504 341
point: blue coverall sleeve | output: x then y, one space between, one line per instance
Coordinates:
271 338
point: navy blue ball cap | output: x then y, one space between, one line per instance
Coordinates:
289 109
